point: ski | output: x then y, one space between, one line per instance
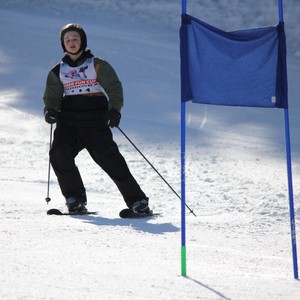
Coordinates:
129 214
124 214
57 212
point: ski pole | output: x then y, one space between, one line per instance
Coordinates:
48 199
153 168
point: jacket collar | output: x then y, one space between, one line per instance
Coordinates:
80 60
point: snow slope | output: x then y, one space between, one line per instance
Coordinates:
238 246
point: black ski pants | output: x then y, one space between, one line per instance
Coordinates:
69 141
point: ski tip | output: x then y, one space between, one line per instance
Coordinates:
54 211
57 212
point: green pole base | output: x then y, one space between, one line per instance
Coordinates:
183 261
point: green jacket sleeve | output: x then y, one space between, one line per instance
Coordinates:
54 90
109 80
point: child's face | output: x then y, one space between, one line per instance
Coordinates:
72 41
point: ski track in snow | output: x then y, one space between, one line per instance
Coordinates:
238 246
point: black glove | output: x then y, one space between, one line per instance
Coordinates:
113 118
51 116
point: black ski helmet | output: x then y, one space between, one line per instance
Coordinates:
73 27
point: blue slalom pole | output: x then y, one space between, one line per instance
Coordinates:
280 10
291 196
289 172
183 6
183 141
183 229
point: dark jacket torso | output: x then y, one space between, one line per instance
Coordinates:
85 110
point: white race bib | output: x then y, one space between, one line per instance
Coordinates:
81 79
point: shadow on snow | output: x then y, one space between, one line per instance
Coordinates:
137 224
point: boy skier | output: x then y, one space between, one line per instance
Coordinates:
84 96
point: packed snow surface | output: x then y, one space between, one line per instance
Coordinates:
239 243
